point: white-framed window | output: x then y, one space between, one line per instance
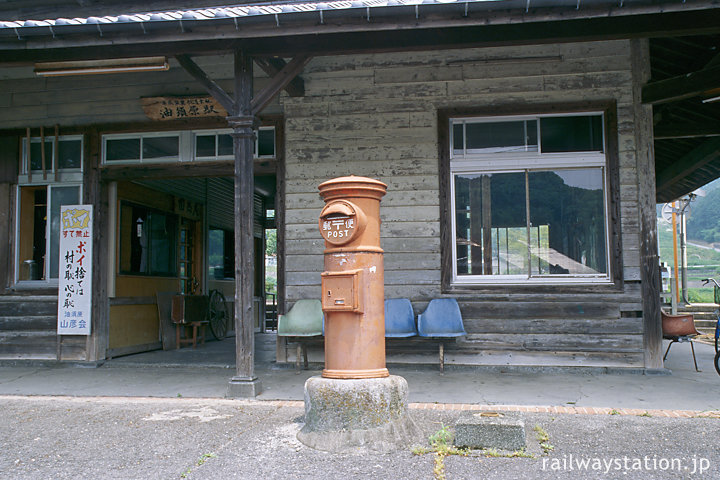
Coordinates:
181 146
38 229
152 147
218 145
63 156
529 199
39 198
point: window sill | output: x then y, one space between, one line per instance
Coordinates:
575 287
524 281
36 286
148 276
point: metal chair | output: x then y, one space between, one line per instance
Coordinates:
442 319
399 318
304 321
679 328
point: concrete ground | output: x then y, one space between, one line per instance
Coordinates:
166 374
147 416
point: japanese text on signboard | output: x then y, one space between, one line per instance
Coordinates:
178 108
75 282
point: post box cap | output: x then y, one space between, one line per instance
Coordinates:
352 186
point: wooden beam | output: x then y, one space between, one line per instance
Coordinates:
686 130
685 166
28 149
214 169
56 153
273 66
279 82
212 88
681 87
43 160
714 62
176 170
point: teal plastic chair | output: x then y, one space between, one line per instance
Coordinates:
304 321
399 318
442 320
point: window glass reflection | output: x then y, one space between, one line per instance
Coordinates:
567 233
490 220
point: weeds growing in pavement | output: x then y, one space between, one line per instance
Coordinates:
203 458
544 439
494 453
441 446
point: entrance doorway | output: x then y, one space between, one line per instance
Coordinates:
176 236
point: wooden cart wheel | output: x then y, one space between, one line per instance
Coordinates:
218 314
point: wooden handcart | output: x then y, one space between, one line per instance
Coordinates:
192 313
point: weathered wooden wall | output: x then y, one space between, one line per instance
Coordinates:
75 103
31 101
377 115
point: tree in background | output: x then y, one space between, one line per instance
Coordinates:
704 219
271 242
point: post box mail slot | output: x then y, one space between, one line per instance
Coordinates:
341 291
341 221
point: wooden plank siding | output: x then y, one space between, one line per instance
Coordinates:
33 101
377 116
91 106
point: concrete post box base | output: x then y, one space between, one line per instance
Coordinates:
357 415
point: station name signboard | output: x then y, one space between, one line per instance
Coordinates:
181 108
75 274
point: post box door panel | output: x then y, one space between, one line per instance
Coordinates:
341 291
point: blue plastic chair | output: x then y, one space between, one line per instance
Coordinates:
304 320
441 319
399 318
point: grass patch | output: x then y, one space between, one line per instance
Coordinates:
441 446
544 439
203 458
494 453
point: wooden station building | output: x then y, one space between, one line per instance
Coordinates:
524 143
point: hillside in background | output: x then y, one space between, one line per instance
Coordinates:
704 219
703 234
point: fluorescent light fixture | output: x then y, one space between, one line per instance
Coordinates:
96 67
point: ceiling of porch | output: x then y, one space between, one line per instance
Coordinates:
686 112
684 43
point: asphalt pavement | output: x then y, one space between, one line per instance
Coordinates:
163 438
139 419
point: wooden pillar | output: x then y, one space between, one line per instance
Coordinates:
281 342
9 154
649 260
96 194
244 383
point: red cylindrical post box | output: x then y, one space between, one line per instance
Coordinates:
353 280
